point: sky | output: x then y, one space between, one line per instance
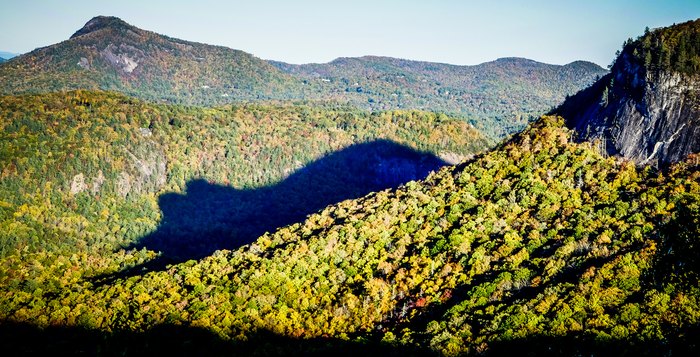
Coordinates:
461 32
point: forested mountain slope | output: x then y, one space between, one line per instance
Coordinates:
136 228
498 97
91 172
542 245
107 53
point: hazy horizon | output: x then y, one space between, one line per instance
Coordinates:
454 32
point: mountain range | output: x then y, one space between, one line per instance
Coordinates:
498 97
7 55
129 227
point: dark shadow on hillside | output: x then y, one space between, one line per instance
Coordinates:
172 340
209 217
577 104
21 339
583 110
579 344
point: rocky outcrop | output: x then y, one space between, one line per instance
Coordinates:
100 22
78 185
645 114
147 170
124 58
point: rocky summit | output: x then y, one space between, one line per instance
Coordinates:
648 108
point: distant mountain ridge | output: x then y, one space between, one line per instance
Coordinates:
109 54
508 91
498 97
7 55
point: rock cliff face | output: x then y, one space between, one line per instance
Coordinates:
643 111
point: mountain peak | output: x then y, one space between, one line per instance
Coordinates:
101 22
646 109
585 65
515 60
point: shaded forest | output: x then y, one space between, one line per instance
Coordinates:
209 217
130 228
541 244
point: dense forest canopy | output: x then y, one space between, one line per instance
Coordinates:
318 227
675 48
94 172
541 239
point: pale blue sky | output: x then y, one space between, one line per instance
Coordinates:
451 31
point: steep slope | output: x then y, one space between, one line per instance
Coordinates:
498 97
107 53
88 173
541 245
648 108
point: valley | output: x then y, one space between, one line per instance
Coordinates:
367 205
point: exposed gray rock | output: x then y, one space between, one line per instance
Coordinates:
124 58
146 170
84 63
148 167
453 158
123 185
97 182
78 185
647 117
145 132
